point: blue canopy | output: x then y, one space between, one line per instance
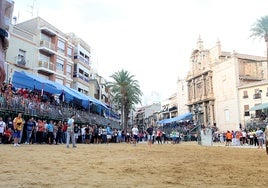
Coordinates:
186 116
30 81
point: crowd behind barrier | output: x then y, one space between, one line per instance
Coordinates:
91 126
45 106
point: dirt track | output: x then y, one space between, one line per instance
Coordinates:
123 165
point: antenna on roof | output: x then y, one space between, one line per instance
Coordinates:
31 11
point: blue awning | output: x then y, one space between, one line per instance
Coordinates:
183 117
30 81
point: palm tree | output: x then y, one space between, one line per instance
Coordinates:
126 92
260 30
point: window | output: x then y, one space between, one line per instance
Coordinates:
44 58
69 52
45 37
257 94
61 46
246 110
21 57
245 94
69 69
60 64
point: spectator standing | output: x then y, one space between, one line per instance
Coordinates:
104 135
70 131
64 131
18 124
159 136
50 134
9 123
229 137
59 133
135 133
259 135
76 132
30 126
2 129
40 132
86 135
149 132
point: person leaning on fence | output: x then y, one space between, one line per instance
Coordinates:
70 131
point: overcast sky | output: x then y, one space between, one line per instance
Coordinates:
152 39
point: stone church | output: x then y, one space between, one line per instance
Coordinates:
213 81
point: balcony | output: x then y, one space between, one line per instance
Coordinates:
81 77
6 6
48 31
47 47
46 67
82 59
257 96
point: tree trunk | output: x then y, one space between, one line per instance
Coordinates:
122 115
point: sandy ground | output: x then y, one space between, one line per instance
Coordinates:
123 165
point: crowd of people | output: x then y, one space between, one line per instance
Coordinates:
36 129
19 131
254 137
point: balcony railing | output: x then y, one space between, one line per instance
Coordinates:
82 77
82 59
46 64
46 44
257 96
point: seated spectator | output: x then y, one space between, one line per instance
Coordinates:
7 136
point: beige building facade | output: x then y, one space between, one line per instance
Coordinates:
39 48
214 82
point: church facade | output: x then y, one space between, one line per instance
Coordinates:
214 80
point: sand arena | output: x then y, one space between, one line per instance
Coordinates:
123 165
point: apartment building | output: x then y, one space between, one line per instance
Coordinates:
42 49
146 116
82 64
214 81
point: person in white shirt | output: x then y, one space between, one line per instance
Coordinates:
2 129
70 132
135 132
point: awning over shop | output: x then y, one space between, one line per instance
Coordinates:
186 116
259 107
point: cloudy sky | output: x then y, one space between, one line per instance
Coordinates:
152 39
